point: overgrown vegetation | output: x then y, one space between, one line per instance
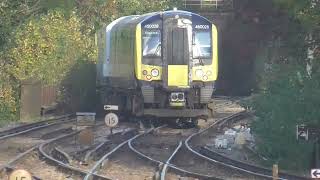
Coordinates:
48 46
288 78
53 41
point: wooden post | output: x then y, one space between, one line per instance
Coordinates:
275 172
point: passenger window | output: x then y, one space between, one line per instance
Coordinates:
202 45
151 43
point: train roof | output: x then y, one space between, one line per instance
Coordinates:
136 19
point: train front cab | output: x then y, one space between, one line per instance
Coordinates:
176 64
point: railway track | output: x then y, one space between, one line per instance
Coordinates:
53 158
224 161
193 162
65 154
157 153
110 166
35 126
165 167
23 138
18 141
161 163
175 159
67 169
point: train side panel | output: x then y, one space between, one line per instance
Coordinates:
117 62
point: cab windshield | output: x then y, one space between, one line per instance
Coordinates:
151 43
202 45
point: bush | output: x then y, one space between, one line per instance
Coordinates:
288 79
46 48
8 103
78 90
288 96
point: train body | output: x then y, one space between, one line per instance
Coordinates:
161 64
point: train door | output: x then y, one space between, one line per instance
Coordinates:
177 39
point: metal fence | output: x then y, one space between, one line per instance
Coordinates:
209 4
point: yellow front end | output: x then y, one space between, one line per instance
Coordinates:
178 76
208 73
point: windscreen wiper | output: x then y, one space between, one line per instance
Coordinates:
201 61
200 55
157 49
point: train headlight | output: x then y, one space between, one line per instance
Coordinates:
199 73
174 97
181 96
205 77
148 77
144 72
209 73
155 72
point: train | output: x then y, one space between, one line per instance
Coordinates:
160 64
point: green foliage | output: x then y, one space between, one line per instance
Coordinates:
53 41
8 101
97 13
13 14
306 11
288 93
47 48
288 100
129 7
78 88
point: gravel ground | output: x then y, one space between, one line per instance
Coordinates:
9 148
13 146
36 166
125 164
186 160
102 134
160 145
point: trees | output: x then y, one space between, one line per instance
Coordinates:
47 47
289 94
53 41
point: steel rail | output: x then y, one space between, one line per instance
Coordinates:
220 121
212 154
30 127
101 160
60 154
61 164
168 164
21 155
164 169
224 120
26 126
89 154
